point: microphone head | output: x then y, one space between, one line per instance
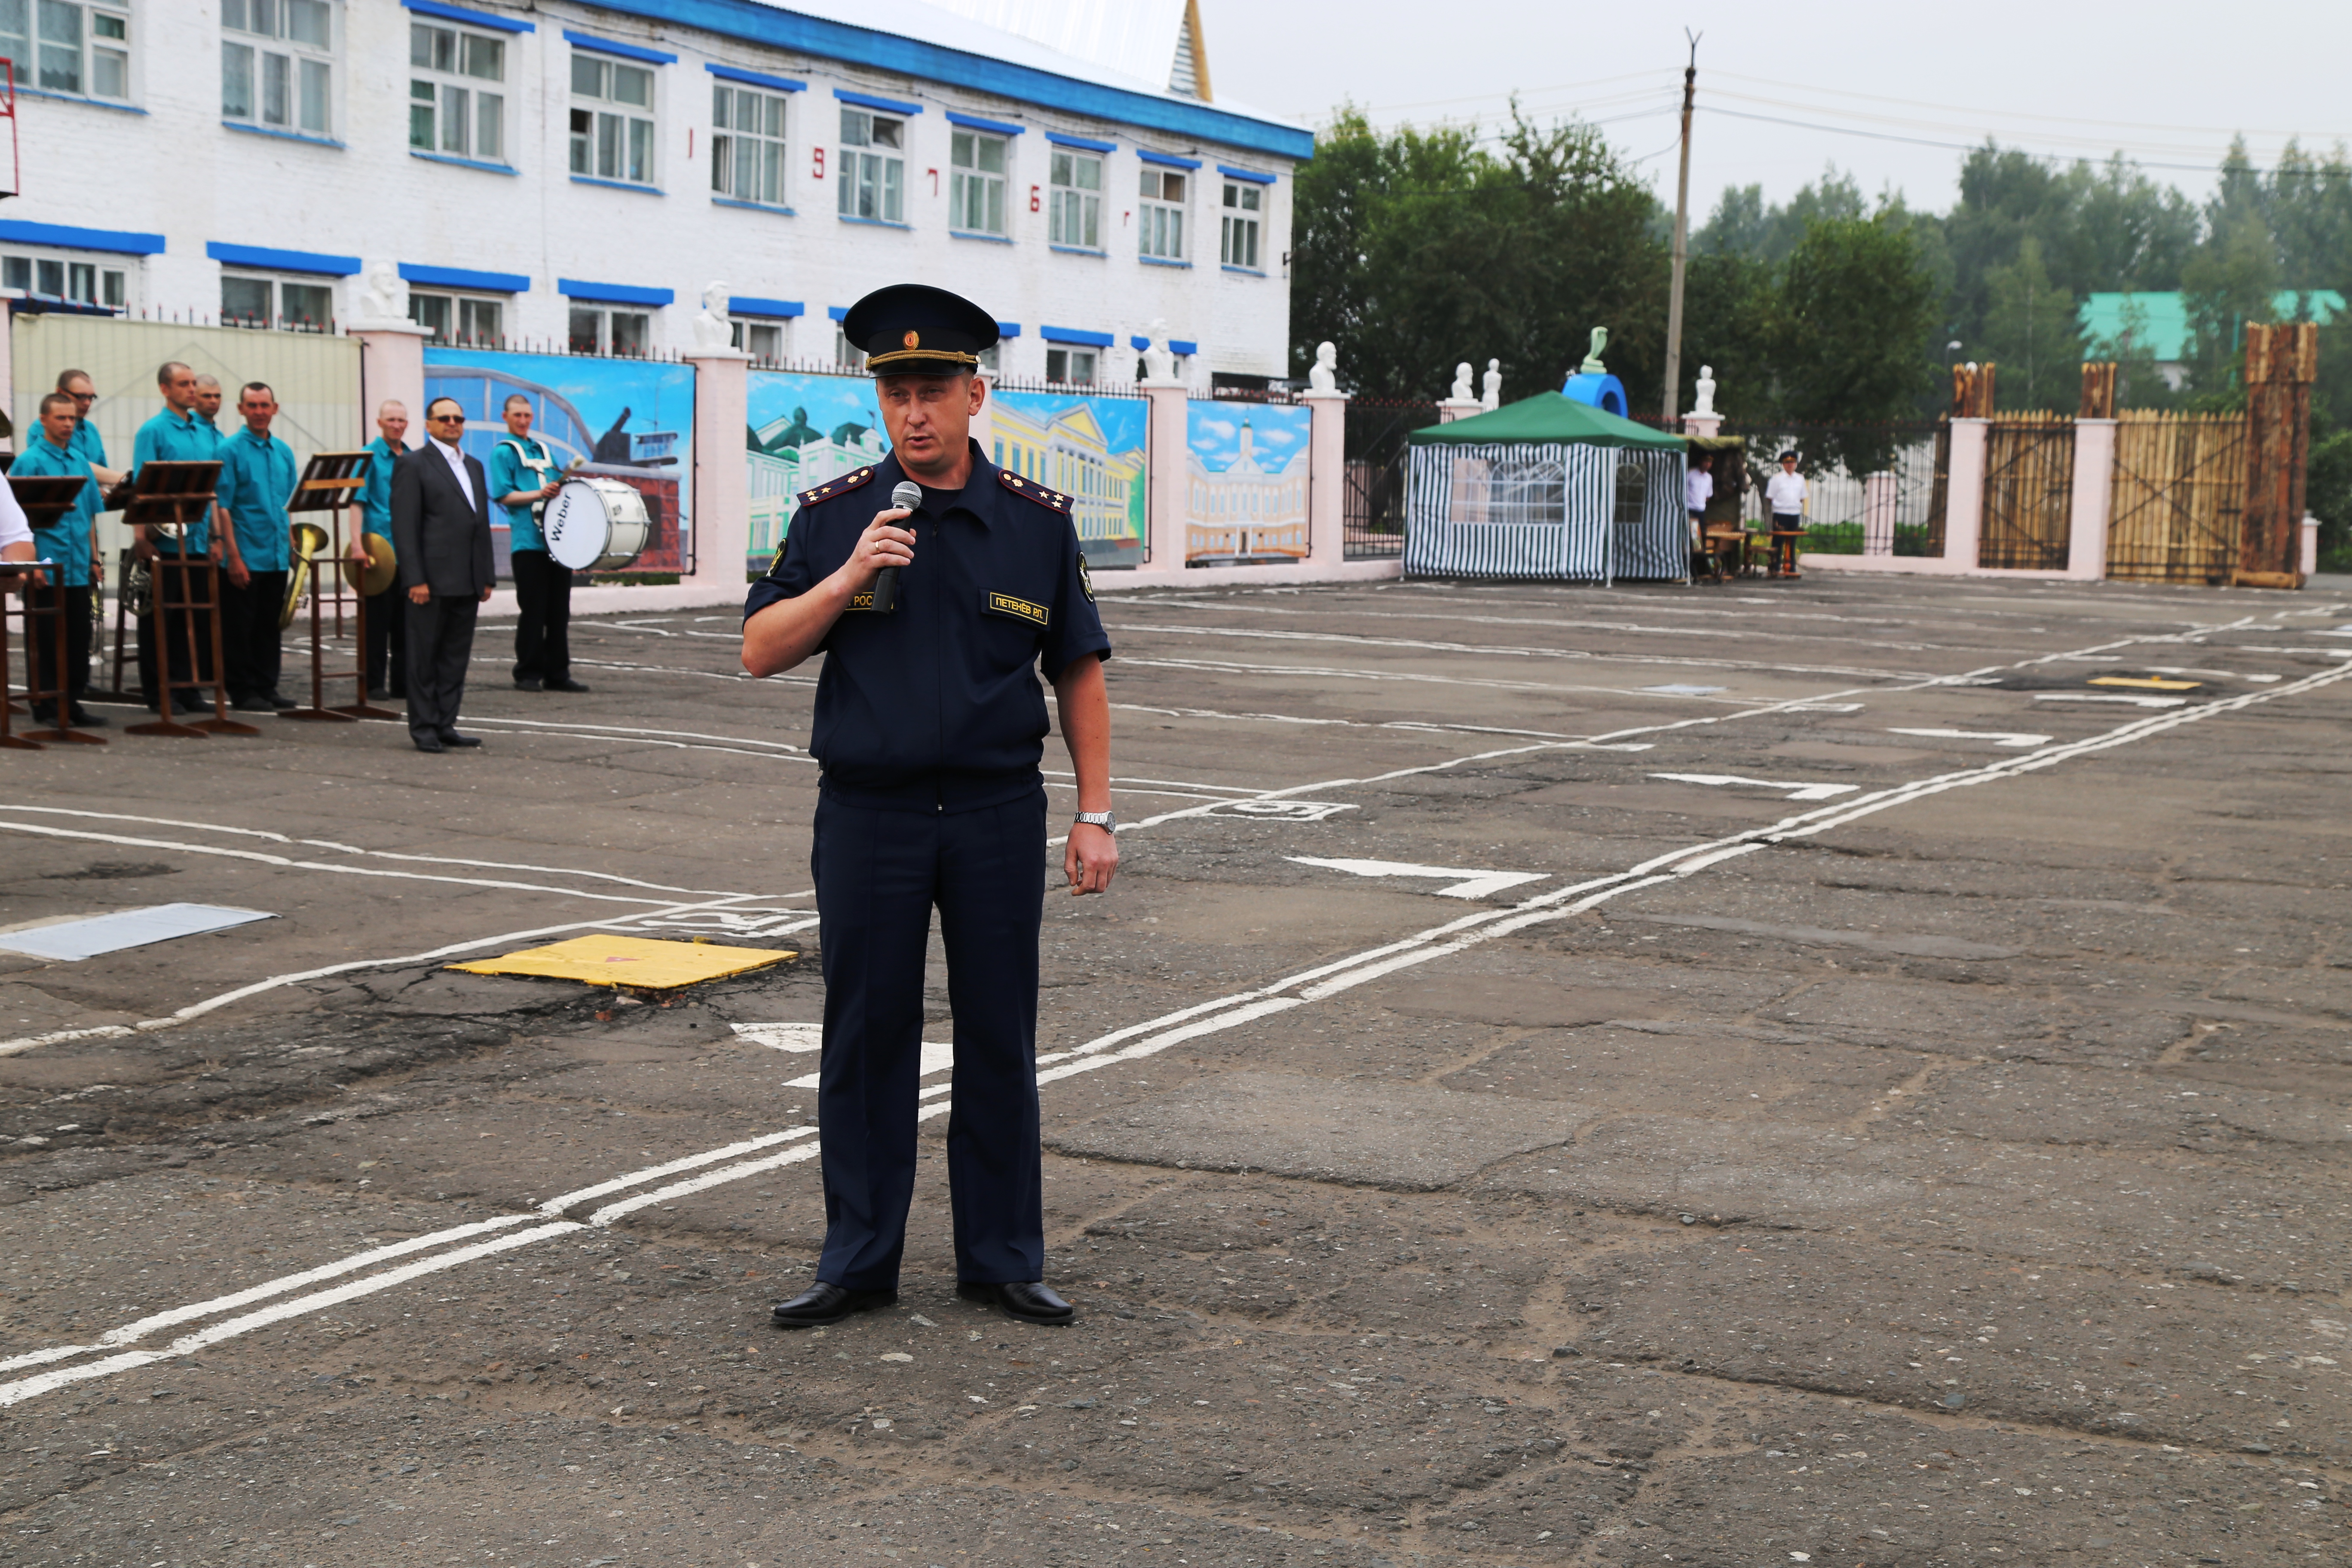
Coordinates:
907 493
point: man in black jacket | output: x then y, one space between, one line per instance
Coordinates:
441 532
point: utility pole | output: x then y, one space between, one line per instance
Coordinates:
1682 238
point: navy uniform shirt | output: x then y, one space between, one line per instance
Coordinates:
936 707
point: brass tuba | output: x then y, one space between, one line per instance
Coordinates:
308 540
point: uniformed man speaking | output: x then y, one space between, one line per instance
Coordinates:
930 727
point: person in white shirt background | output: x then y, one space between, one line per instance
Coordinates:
1785 498
1699 489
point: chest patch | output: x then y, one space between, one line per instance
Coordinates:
1018 609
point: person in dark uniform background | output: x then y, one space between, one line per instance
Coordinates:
930 728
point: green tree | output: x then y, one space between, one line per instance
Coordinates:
2031 329
1855 309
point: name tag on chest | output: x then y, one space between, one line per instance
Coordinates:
1017 609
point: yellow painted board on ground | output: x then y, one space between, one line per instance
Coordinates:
632 960
2147 682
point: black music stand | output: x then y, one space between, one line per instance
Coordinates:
331 482
45 498
168 497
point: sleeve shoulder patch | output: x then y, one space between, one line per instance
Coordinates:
1030 489
856 478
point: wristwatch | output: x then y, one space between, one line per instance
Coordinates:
1105 820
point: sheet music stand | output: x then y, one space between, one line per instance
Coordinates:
12 575
331 482
45 498
168 497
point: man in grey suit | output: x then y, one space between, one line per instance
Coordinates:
441 531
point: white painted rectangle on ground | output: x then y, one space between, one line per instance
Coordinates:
2110 697
71 941
1997 737
1799 789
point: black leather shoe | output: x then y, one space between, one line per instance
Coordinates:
428 742
822 1303
1031 1300
252 704
566 684
451 738
379 694
278 700
528 683
84 719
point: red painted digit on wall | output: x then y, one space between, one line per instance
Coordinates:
817 171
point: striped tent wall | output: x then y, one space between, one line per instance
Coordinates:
1511 509
1655 545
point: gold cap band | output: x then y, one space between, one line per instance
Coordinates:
895 355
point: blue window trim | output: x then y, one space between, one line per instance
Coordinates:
269 259
466 162
978 234
465 277
1251 175
837 311
473 18
874 222
1089 144
596 46
744 305
752 206
755 79
1163 261
1244 271
1168 159
24 91
1008 328
799 33
1184 346
1076 250
1076 335
613 293
282 135
65 236
867 100
994 127
618 185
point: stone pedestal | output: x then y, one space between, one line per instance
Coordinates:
391 367
1705 426
2092 502
1964 493
1166 512
1327 477
722 486
1454 408
2310 557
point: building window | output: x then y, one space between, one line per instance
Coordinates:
1238 247
277 64
747 144
764 340
847 355
624 333
450 109
460 319
297 306
976 182
61 277
1074 367
82 49
1161 219
1076 199
873 166
611 120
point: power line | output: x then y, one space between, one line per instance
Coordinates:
2020 114
1979 146
2103 143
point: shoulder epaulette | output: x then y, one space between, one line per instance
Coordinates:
847 482
1051 499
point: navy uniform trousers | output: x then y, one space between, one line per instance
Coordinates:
879 875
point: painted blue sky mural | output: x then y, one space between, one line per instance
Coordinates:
1278 432
831 401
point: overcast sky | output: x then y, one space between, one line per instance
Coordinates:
2166 81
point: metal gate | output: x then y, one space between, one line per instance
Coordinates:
1373 506
2029 493
2179 496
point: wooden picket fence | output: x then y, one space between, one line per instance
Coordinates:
2179 496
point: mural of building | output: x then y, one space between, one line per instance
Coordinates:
1245 472
1089 448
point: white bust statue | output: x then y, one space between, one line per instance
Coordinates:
386 298
1704 407
1462 392
1492 398
1159 360
712 329
1324 375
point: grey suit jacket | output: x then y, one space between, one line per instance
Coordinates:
442 542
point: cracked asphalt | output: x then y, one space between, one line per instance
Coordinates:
1859 1073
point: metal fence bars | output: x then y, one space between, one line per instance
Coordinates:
2179 496
1870 489
2029 491
1530 510
1373 508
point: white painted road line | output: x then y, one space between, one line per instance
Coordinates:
1468 883
1997 737
1798 790
2110 697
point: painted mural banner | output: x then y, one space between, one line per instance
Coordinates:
631 420
1246 475
804 430
1092 450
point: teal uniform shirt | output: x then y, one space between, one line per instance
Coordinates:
509 473
87 443
171 437
257 481
66 541
375 496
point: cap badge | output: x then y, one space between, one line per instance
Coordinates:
913 340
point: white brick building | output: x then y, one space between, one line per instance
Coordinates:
563 173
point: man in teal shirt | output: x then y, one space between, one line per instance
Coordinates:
523 478
387 650
67 541
177 435
257 480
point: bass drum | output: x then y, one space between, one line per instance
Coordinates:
596 525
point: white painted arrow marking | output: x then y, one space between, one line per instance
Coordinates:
1997 737
2110 697
1468 883
1798 789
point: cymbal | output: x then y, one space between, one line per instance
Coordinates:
382 566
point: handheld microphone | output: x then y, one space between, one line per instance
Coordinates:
907 494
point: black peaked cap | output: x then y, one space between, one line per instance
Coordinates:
913 329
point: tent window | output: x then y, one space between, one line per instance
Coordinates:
1633 488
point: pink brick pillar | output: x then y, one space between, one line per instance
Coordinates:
1326 477
722 482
